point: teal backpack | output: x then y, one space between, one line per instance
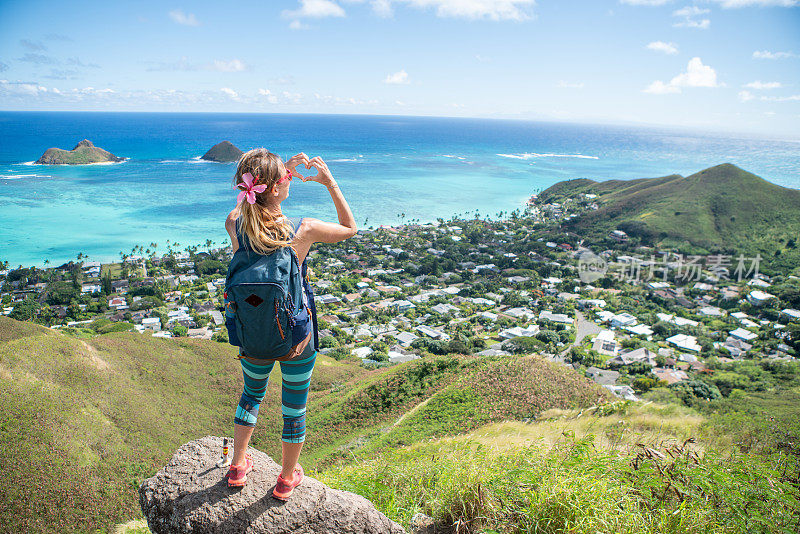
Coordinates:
269 304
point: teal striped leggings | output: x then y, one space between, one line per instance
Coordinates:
294 394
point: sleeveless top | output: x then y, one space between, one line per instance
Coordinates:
244 244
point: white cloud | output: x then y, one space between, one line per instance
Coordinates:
32 45
184 19
398 78
297 25
689 21
766 54
315 9
764 85
382 8
661 46
568 85
272 99
757 3
690 11
645 2
746 96
234 65
293 98
660 88
477 9
230 93
696 75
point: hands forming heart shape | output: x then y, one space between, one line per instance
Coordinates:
323 175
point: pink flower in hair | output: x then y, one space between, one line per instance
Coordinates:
248 189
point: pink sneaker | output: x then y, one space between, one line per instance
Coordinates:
283 490
237 474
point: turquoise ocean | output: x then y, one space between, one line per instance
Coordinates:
387 166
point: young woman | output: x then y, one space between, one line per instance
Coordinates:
258 223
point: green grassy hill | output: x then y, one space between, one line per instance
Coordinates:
84 421
720 209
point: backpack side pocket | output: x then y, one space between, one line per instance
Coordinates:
230 320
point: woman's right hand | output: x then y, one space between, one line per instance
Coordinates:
294 161
323 175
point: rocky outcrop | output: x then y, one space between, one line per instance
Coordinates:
83 153
224 152
189 495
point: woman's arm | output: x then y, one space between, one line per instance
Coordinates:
326 232
230 226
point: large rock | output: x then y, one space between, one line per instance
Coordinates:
190 495
224 152
83 153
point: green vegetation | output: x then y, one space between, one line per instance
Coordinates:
97 415
722 209
83 153
631 469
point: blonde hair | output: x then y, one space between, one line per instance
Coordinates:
265 233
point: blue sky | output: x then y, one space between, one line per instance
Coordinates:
730 65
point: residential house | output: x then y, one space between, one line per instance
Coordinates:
433 333
790 314
640 355
744 335
604 343
521 313
758 298
623 392
516 331
443 309
555 317
402 305
685 342
670 376
602 376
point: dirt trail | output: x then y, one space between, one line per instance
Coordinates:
95 358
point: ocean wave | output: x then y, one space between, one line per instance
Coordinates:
357 158
124 160
19 176
452 156
531 155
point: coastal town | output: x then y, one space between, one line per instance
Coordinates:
628 316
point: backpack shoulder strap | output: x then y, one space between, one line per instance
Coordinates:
240 236
295 222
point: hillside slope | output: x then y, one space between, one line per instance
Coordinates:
723 208
83 422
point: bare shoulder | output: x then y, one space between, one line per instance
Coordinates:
230 221
306 229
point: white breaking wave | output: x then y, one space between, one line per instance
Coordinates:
74 164
18 176
531 155
452 156
357 158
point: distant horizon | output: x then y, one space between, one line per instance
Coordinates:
789 138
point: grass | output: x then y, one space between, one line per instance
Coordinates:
720 208
97 416
442 435
627 471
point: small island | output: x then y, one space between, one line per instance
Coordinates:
84 152
224 152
